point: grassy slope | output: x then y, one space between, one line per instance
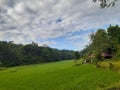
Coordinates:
57 76
116 65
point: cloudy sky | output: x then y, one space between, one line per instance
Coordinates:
62 24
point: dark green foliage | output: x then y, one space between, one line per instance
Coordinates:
114 34
77 55
104 41
12 54
9 56
101 41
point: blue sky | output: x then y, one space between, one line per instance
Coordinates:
62 24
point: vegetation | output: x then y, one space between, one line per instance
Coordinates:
62 75
98 74
116 65
104 44
58 76
12 54
77 57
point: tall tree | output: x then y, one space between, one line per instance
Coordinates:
100 41
114 35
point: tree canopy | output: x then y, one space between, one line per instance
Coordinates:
16 54
104 41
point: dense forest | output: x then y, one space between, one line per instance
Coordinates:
105 42
12 54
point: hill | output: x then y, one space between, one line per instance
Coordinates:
58 76
12 54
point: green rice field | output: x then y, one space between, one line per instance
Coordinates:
62 75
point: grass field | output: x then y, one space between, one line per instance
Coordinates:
58 76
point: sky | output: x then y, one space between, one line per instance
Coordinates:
61 24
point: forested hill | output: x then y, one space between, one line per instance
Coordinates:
17 54
105 42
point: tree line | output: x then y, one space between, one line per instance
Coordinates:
104 41
12 54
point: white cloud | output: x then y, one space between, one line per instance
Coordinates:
75 37
34 20
79 41
47 43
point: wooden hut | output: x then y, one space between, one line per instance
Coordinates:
106 55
